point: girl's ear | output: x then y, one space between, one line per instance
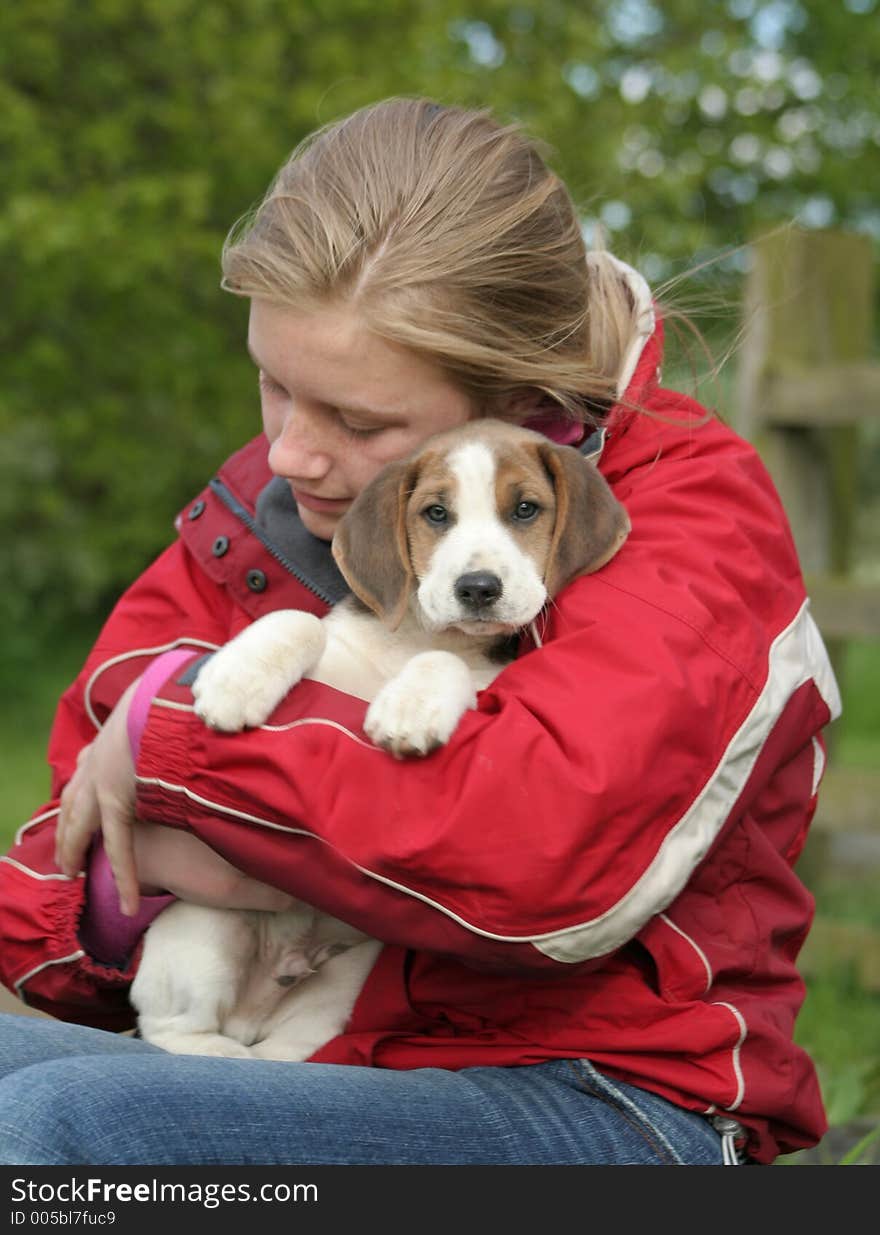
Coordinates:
591 524
371 546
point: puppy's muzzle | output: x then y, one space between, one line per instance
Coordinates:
478 590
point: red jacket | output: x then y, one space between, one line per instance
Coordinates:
599 863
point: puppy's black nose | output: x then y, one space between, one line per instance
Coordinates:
478 589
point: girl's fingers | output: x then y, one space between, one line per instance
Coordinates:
78 820
101 795
118 832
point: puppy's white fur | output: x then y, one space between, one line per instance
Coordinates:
479 541
278 986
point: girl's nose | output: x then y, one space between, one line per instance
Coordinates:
300 451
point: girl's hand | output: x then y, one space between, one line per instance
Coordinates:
101 795
144 857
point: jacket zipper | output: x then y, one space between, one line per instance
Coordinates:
231 502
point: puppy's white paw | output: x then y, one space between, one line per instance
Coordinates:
230 693
243 683
419 710
224 1048
196 1043
292 1050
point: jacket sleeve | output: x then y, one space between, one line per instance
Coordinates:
41 956
596 773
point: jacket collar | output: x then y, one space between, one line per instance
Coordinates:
278 519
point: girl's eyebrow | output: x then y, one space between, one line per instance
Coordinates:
354 408
385 414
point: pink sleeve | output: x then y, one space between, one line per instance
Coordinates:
104 931
155 677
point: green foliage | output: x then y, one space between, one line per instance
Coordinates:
30 689
134 132
132 136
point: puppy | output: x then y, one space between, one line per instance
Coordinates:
449 555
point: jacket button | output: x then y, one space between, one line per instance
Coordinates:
256 580
197 508
220 545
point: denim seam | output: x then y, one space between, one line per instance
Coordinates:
628 1109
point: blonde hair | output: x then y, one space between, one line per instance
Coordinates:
449 234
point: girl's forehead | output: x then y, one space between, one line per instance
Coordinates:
332 355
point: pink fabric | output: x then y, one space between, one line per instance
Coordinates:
104 931
155 676
556 427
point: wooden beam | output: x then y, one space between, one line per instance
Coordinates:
844 608
849 800
842 394
807 379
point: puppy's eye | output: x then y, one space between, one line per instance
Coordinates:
524 512
436 514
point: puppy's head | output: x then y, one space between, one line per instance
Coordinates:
479 529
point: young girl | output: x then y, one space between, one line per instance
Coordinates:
587 900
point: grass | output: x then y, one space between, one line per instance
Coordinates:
857 733
839 1025
840 1021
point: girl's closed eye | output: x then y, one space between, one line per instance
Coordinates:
269 385
356 430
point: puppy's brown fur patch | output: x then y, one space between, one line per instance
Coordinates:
433 483
521 477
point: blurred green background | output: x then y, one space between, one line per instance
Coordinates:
133 133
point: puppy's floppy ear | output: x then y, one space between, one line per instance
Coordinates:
371 547
591 524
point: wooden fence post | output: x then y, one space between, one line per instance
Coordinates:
806 382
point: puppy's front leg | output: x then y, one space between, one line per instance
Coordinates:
419 709
243 683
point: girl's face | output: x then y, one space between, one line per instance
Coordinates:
339 403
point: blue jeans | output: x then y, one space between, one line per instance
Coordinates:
76 1096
